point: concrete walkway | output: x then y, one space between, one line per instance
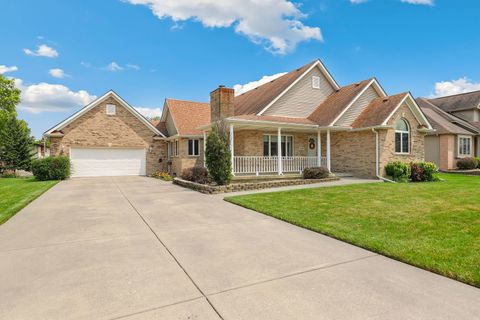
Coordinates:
138 248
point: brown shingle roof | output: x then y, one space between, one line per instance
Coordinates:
188 115
336 103
444 122
378 110
253 101
275 119
458 102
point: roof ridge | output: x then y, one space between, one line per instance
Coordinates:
173 99
454 95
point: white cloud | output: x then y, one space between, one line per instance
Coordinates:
42 51
5 69
241 88
275 24
57 73
113 66
422 2
448 88
46 97
133 66
150 112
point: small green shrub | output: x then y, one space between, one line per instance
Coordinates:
218 156
467 163
478 162
51 168
316 173
429 168
399 171
195 174
165 176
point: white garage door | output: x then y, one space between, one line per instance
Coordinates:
98 162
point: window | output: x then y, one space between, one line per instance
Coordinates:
464 146
193 147
315 82
402 136
175 148
111 109
270 145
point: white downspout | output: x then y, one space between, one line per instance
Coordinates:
377 160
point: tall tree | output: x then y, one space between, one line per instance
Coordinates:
9 98
15 146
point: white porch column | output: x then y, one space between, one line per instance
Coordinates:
319 149
279 151
232 142
204 148
328 151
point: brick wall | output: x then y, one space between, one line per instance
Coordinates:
183 160
123 130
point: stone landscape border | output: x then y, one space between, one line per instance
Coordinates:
245 186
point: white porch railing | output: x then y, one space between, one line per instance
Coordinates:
259 164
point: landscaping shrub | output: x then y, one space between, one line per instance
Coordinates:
218 156
478 162
195 174
467 163
51 168
416 173
316 173
399 171
165 176
429 168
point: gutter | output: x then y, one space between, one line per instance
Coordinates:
377 170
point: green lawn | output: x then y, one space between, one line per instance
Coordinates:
16 193
435 226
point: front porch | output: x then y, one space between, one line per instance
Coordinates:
266 150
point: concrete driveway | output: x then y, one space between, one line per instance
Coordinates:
138 248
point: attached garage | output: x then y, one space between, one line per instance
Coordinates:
98 162
109 138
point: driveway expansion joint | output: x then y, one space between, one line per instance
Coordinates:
168 250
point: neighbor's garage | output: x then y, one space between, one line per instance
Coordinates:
98 162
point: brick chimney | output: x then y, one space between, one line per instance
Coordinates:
221 103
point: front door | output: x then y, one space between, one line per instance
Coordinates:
312 146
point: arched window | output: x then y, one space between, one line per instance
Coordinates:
402 136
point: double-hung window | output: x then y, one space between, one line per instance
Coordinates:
193 149
270 145
402 137
464 146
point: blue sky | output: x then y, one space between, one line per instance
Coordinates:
147 50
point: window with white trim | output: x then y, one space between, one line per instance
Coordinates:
111 109
193 147
175 148
464 146
270 145
402 136
315 82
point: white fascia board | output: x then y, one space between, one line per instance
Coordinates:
355 100
413 106
93 104
324 71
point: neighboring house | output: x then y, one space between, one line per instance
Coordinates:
301 119
456 120
40 150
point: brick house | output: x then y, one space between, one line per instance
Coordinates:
456 120
301 119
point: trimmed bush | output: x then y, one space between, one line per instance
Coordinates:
51 168
429 168
478 162
218 156
195 174
399 171
467 163
316 173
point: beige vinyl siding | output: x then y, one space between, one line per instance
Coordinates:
432 149
355 109
301 100
469 115
170 125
